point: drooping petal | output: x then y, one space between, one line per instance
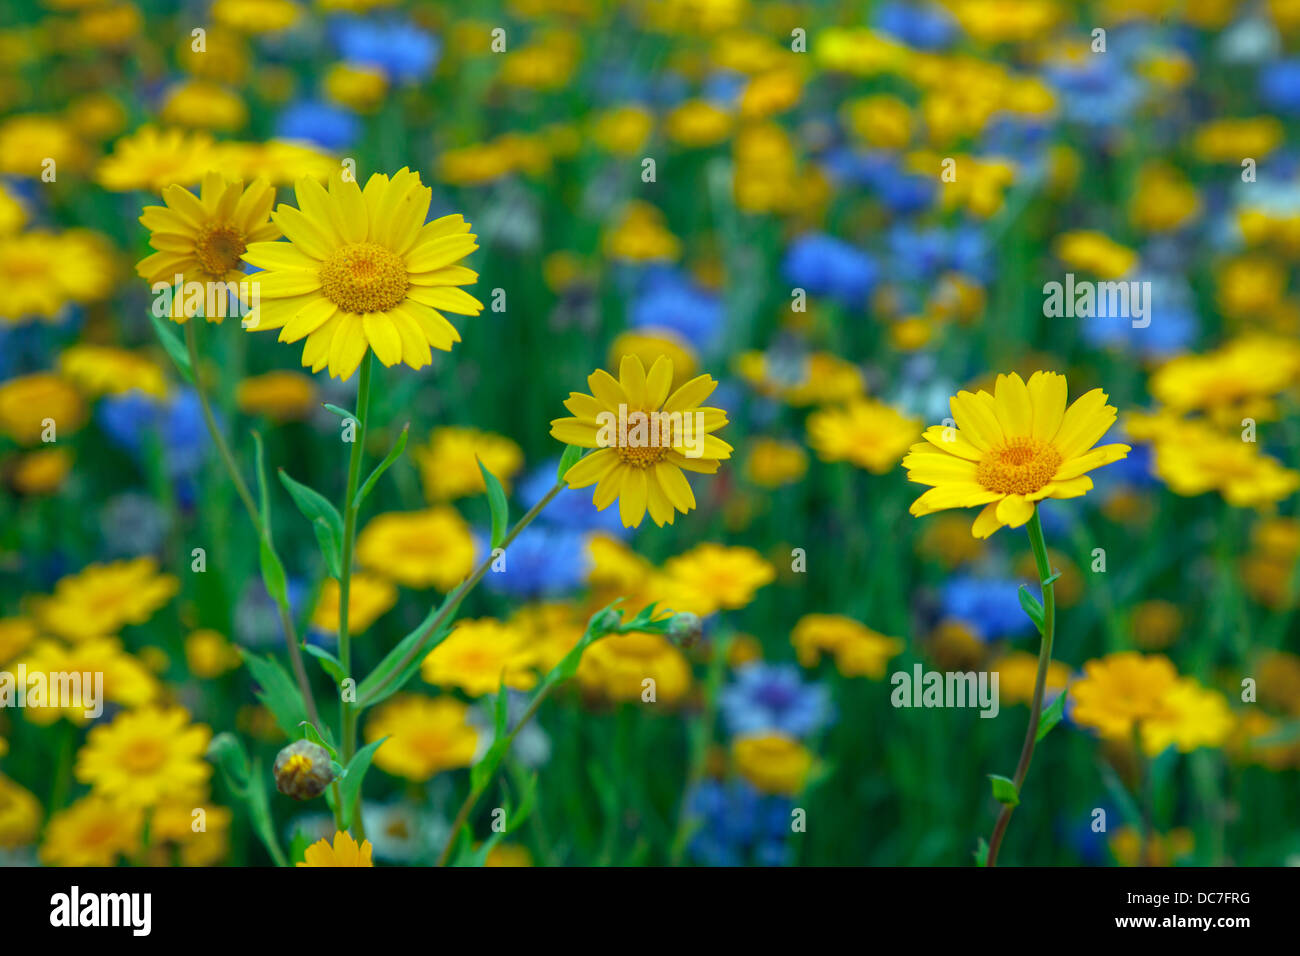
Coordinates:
1015 510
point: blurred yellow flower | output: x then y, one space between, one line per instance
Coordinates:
866 433
858 650
369 597
425 736
772 463
107 370
478 655
100 599
145 757
418 549
153 159
773 762
209 654
91 832
280 395
449 462
633 666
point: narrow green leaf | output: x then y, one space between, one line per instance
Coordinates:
311 733
982 853
353 774
325 520
1052 579
497 502
1004 790
396 453
1051 717
273 575
332 665
278 692
570 457
173 346
327 538
1032 608
340 412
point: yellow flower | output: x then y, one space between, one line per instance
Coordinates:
645 437
368 598
126 680
13 214
623 130
1018 673
28 402
106 370
101 598
508 854
201 238
1189 716
203 105
425 736
278 162
882 121
16 635
773 463
478 654
344 852
649 344
171 830
642 235
711 577
1096 253
1163 199
1012 449
552 630
357 87
449 462
858 650
821 378
20 814
145 757
697 123
1162 849
867 433
773 762
280 395
152 160
41 472
617 667
1234 378
419 549
43 272
1156 624
28 141
91 832
1228 140
1192 458
209 654
362 270
256 16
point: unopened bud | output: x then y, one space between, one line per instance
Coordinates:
302 770
685 629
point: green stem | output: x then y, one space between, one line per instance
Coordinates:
348 710
1048 591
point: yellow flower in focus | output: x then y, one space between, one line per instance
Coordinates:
369 597
774 763
209 654
617 666
449 462
1018 672
41 472
363 271
1012 449
644 438
106 370
712 577
642 235
858 650
344 852
145 757
418 549
20 815
425 736
478 655
100 599
91 832
281 396
866 433
152 160
773 463
1095 253
28 401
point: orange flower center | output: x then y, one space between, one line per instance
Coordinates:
218 248
364 277
143 755
642 456
1019 466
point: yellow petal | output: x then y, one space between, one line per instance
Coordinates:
1095 458
1047 395
675 486
632 498
383 338
589 469
1015 510
1084 423
1014 411
987 522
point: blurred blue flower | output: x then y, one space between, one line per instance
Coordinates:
402 50
1279 86
735 824
572 508
541 562
1172 327
824 265
925 26
129 420
922 254
766 697
327 126
989 606
670 300
1097 90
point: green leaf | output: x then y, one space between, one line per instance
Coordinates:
333 666
353 774
570 457
247 783
298 846
227 752
383 466
1051 717
385 680
278 692
324 517
1004 790
982 853
497 502
1052 579
1032 608
340 412
273 575
311 733
172 345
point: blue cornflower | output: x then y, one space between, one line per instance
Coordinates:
327 126
989 606
1172 325
402 50
177 424
824 265
669 300
542 562
925 26
766 697
569 509
735 824
1279 86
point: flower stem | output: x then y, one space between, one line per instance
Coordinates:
1048 591
348 709
223 449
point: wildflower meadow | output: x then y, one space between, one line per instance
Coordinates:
713 433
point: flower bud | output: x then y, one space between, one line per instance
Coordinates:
685 629
302 770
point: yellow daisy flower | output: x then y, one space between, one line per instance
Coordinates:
449 462
712 577
101 598
477 654
146 756
43 272
645 438
772 762
91 832
107 370
418 549
26 402
866 433
425 736
201 238
370 596
344 852
152 160
20 814
279 395
1012 449
617 667
363 270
